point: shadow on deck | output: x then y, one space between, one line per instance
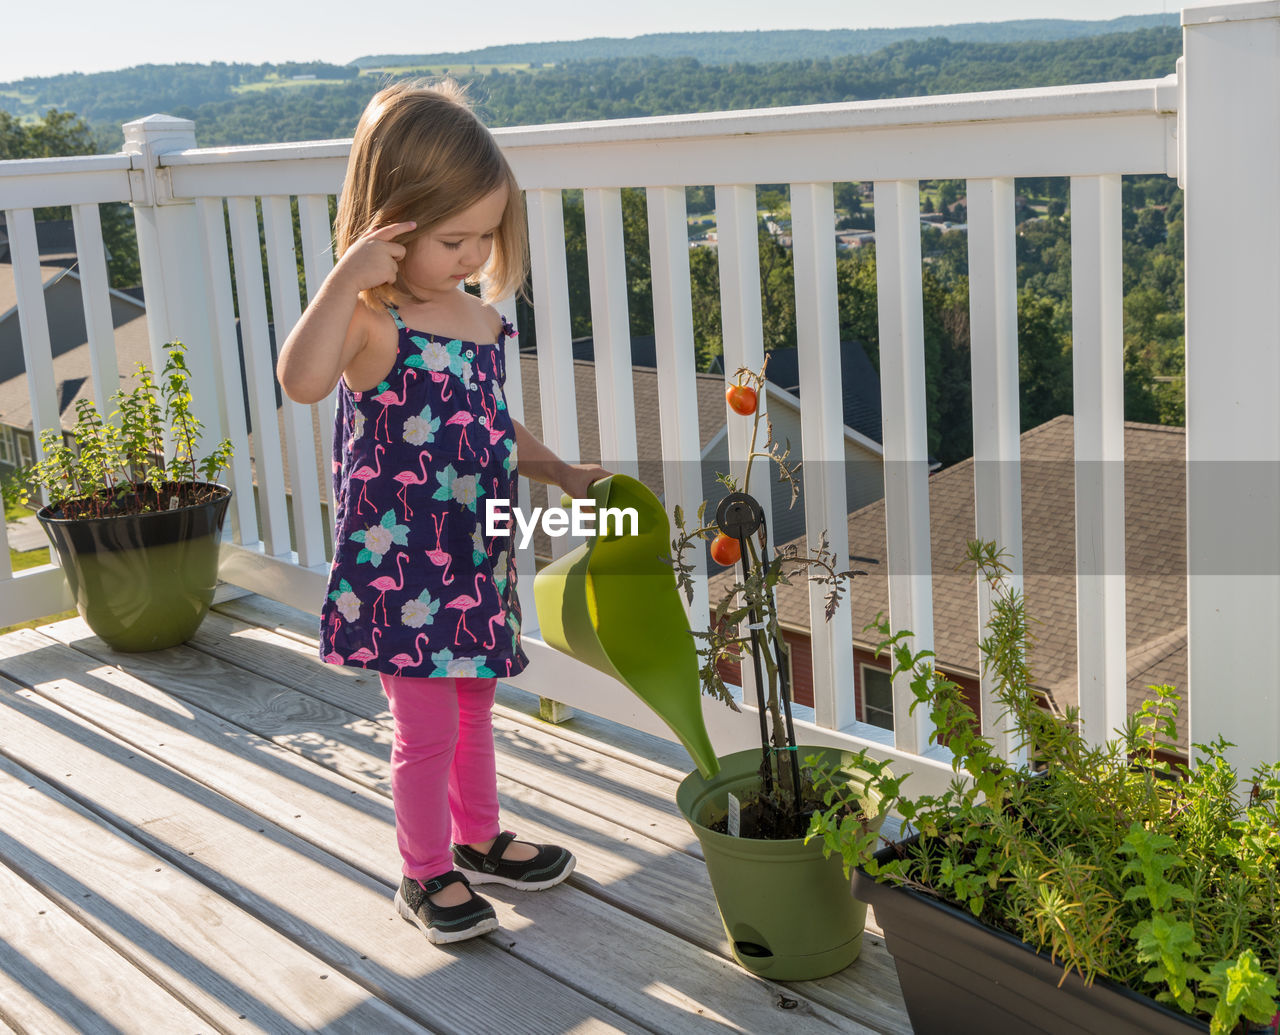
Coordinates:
201 839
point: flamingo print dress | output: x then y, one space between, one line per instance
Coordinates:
417 588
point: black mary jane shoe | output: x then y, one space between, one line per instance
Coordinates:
548 868
444 923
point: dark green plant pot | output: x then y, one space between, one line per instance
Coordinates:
787 910
142 581
960 977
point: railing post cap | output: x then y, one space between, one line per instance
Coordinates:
159 133
1250 10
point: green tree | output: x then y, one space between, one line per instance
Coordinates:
61 134
1044 360
777 292
57 135
858 306
704 278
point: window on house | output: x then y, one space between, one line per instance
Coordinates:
26 449
877 697
8 454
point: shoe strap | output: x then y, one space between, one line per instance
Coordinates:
436 884
493 858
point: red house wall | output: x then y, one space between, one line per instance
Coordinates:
801 650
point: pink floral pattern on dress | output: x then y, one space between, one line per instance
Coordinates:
417 588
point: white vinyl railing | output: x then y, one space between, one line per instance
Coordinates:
1190 125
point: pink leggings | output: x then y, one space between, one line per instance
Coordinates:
444 782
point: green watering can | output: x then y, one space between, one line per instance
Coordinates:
613 604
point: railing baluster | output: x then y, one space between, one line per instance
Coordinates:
813 224
299 433
738 246
611 330
1097 333
906 442
261 377
45 592
91 259
317 261
6 567
231 422
555 333
678 400
526 562
993 336
33 322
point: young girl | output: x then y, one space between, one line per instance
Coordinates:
423 437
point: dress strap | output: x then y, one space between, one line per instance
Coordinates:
395 314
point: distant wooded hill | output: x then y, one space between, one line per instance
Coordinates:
769 45
250 104
241 104
614 78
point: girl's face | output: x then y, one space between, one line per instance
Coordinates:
448 253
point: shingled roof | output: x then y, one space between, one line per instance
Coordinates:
1155 563
859 391
70 343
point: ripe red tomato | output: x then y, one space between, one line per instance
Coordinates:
725 550
741 399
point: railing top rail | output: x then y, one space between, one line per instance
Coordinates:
62 166
1136 97
1144 96
320 149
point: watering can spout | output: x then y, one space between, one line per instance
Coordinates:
613 604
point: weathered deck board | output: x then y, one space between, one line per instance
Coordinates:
200 748
51 958
637 988
238 972
305 912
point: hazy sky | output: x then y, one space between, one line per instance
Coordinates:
91 36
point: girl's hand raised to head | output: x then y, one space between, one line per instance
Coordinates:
374 259
331 333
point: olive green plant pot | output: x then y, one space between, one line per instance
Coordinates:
787 910
142 581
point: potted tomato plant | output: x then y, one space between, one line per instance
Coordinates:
136 525
787 910
1098 889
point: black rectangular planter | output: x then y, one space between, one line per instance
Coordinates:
960 977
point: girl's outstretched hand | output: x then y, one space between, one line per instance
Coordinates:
577 479
375 258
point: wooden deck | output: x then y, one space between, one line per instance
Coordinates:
201 840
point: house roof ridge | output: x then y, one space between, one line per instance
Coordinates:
704 375
1169 429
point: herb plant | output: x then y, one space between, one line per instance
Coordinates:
118 464
1119 863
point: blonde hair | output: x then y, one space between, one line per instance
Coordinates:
420 153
